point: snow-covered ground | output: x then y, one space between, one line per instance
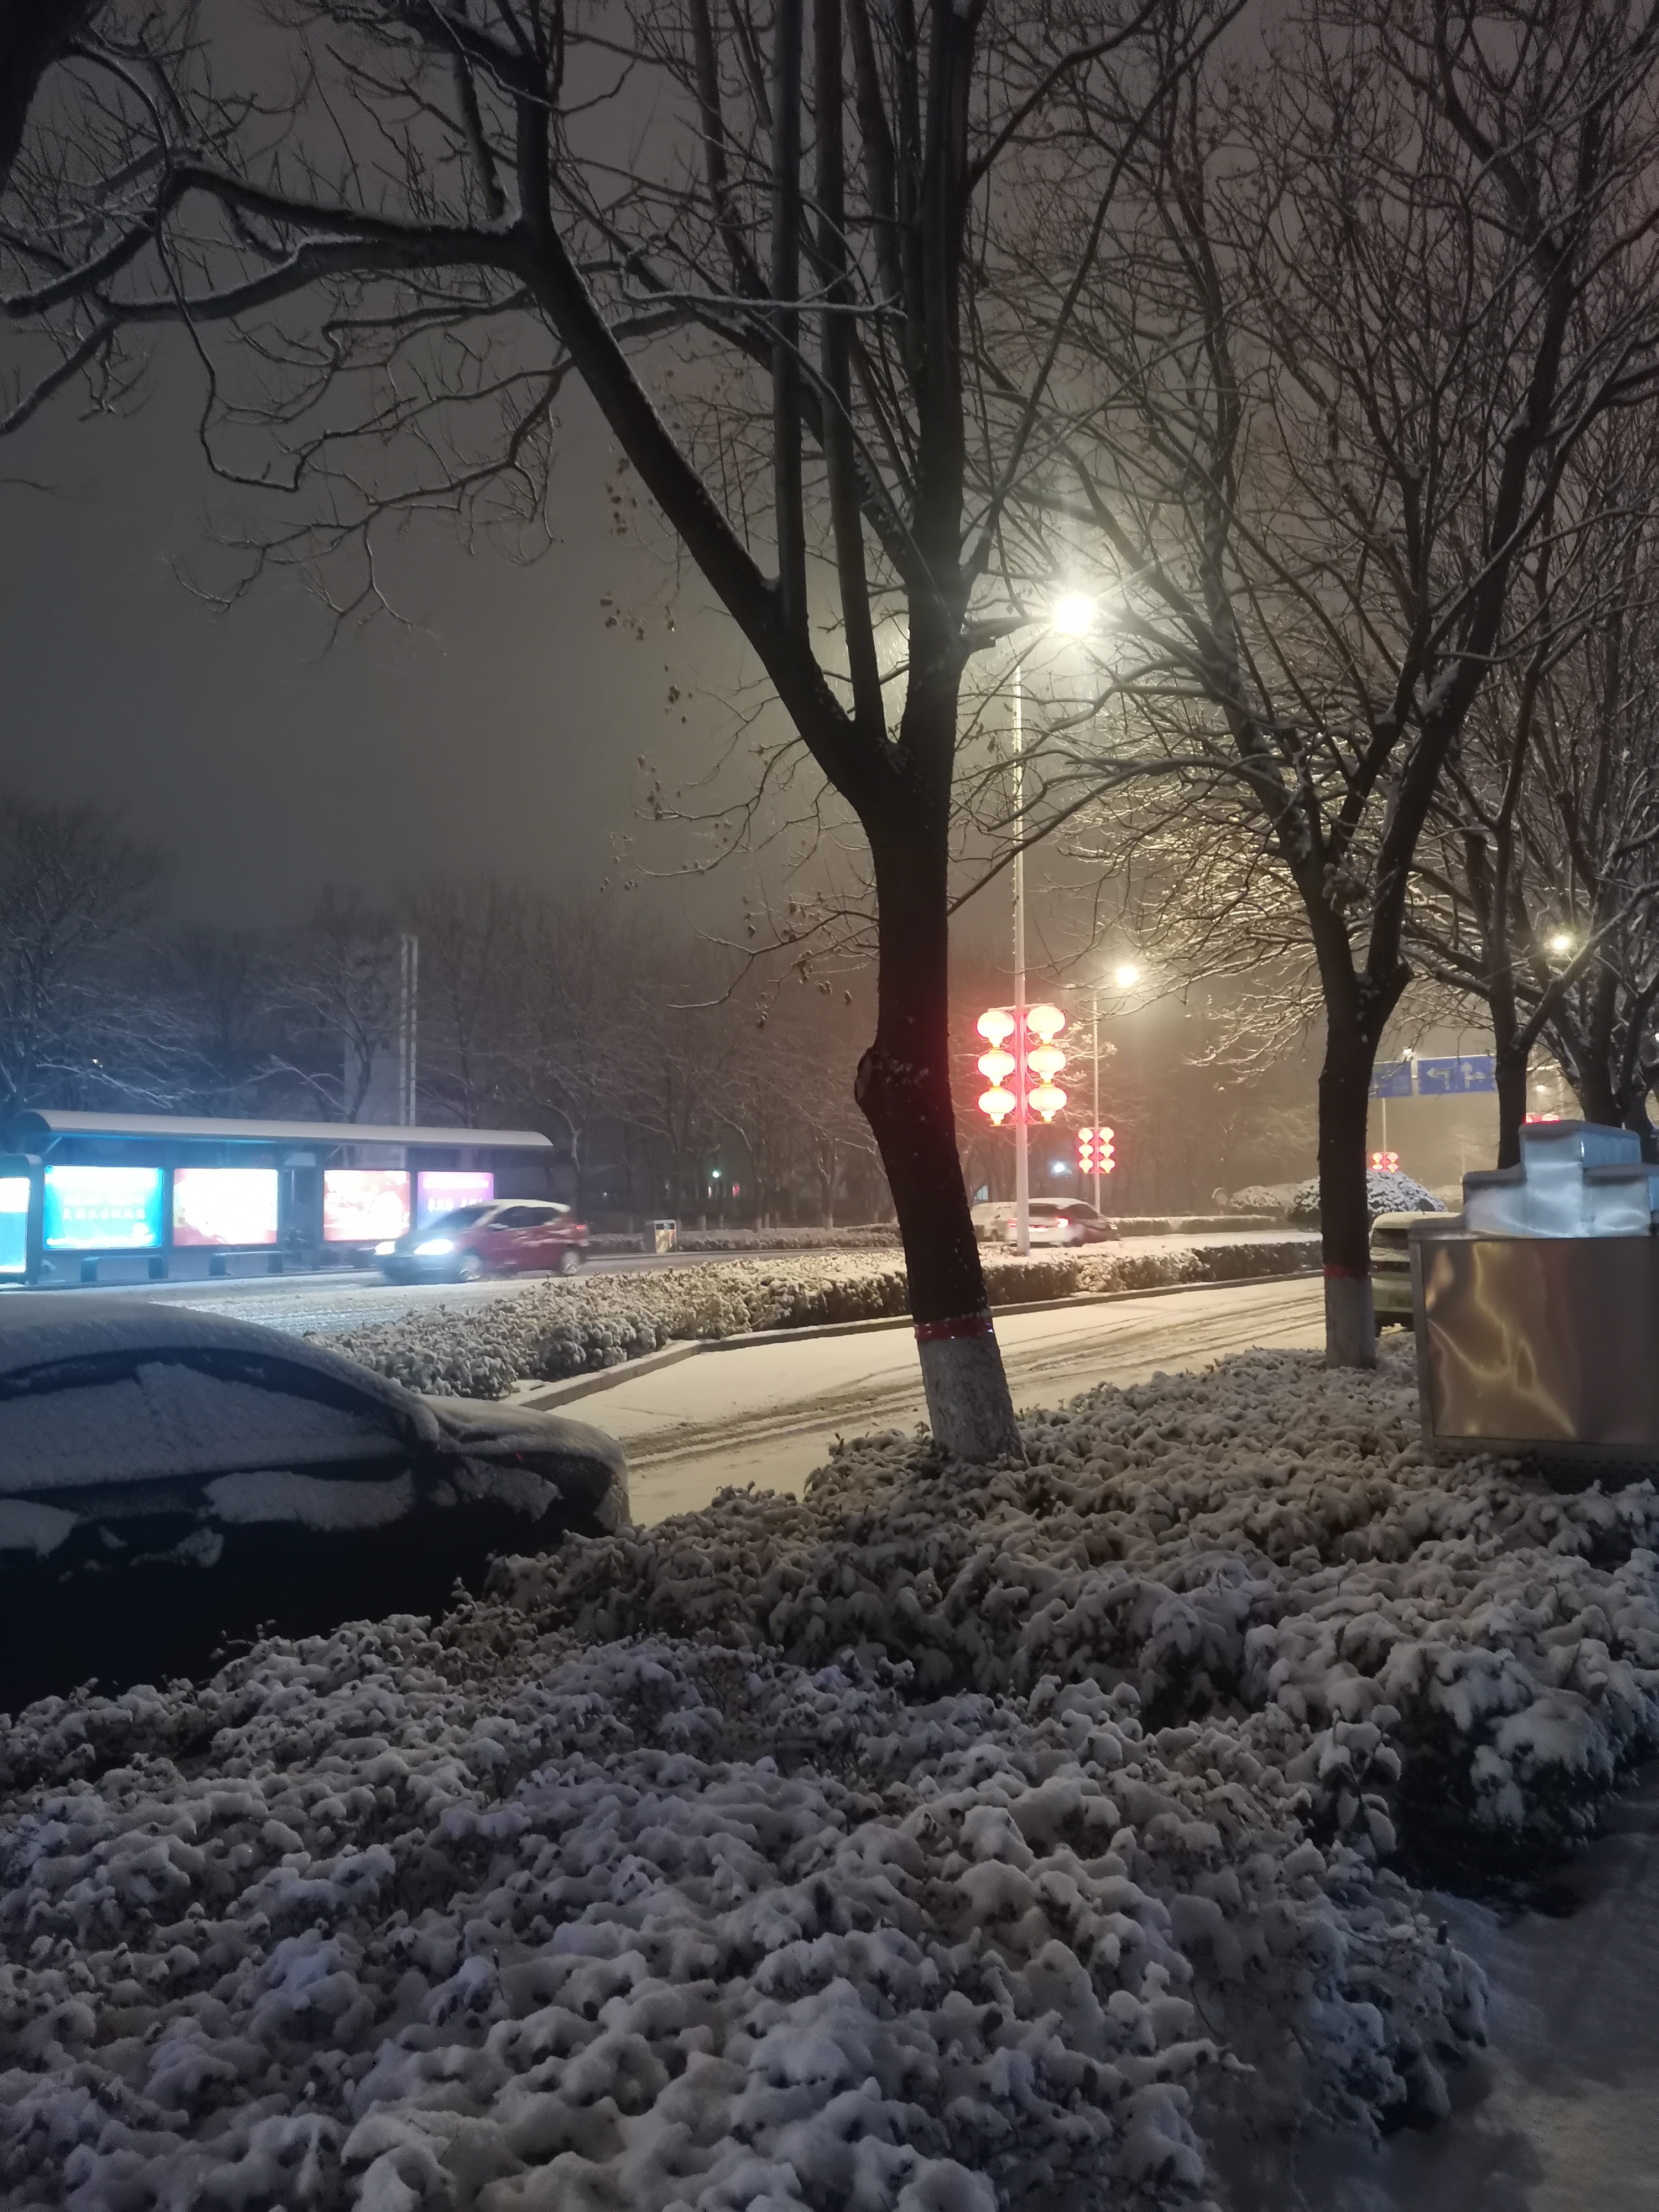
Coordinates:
947 1837
1561 2114
770 1413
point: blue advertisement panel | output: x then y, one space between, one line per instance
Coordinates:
13 1225
103 1209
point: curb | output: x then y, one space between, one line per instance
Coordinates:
539 1397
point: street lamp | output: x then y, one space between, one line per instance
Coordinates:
1073 615
1127 976
1561 943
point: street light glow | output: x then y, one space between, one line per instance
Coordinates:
1075 615
1127 975
1561 943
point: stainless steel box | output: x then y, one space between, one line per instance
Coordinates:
1541 1347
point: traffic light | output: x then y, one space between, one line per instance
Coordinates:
1103 1146
1386 1162
1086 1151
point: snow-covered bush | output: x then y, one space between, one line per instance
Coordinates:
1386 1192
572 1326
863 1237
398 1919
1269 1197
1266 1541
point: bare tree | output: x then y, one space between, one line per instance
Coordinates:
73 888
475 958
336 985
213 989
770 292
1317 408
1538 886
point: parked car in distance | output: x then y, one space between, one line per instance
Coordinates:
170 1480
510 1236
1391 1266
1052 1220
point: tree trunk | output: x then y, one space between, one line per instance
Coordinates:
1509 1077
1344 1082
903 1088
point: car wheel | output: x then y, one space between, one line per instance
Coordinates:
567 1261
471 1269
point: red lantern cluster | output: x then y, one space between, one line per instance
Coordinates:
1094 1151
1033 1031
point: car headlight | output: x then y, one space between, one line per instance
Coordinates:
380 1250
432 1246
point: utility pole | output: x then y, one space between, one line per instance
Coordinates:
1094 1024
409 977
1022 1148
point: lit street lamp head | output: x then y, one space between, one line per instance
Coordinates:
1127 975
1075 615
1561 943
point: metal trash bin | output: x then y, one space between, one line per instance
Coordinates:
665 1235
1540 1348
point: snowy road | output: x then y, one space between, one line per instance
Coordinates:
768 1414
339 1300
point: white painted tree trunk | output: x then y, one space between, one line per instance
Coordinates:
1350 1322
967 1404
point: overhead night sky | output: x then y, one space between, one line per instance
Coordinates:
502 735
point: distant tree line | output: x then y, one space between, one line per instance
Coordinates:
638 1053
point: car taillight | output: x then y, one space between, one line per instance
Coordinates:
1061 1222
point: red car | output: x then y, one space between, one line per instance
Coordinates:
511 1237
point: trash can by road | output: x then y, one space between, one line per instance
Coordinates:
1537 1310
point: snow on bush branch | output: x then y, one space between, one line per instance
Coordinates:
569 1327
394 1919
1267 1540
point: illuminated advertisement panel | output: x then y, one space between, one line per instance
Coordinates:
103 1209
441 1190
13 1225
224 1205
364 1205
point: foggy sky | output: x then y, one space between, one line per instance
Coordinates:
501 735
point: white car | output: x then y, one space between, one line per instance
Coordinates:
1391 1266
171 1479
1051 1221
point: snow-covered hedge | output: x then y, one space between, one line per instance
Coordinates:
923 1911
1268 1198
1267 1540
1385 1193
571 1326
868 1236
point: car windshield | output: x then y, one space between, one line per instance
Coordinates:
464 1217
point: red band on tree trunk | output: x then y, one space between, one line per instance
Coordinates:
937 1332
1348 1275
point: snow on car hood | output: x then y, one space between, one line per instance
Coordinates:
95 1390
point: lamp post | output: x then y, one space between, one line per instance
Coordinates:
1022 1150
1073 615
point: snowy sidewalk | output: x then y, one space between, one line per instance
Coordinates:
1561 2114
768 1414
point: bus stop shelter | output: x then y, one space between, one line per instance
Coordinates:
177 1195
